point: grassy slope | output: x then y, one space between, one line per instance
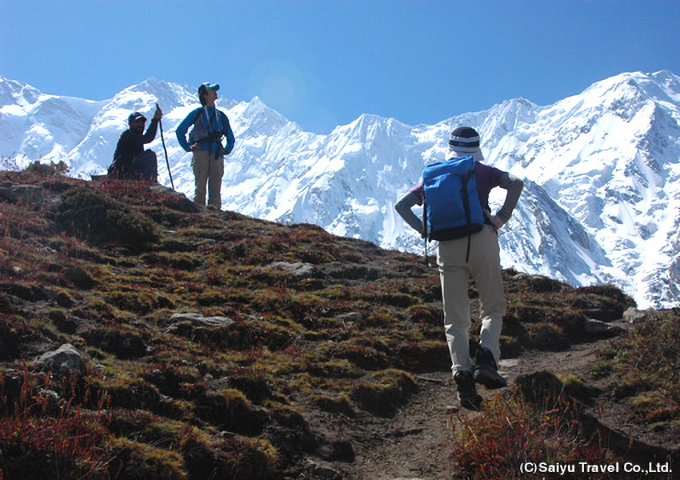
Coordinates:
106 266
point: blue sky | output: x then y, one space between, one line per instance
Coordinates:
323 63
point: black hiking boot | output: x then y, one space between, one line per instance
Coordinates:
486 371
467 392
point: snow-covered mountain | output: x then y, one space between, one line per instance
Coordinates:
602 194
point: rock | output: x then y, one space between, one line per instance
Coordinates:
63 361
201 320
351 318
323 472
597 327
325 452
300 270
337 450
633 315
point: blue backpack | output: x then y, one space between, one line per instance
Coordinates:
452 208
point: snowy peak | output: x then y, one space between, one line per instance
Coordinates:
659 87
39 126
259 118
602 192
16 93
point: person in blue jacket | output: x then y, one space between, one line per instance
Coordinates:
210 125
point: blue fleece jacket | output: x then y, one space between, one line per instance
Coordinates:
216 121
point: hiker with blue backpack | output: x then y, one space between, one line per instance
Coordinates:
130 160
210 125
455 199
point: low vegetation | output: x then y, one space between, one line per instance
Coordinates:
209 341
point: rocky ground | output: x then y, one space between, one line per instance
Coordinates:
211 345
417 443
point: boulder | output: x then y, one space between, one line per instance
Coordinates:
633 315
62 361
299 269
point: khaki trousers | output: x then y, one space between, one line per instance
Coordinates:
484 267
208 170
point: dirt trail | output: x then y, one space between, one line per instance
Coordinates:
416 443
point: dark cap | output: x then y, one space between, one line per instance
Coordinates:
136 116
464 137
465 141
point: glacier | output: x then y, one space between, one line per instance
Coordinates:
601 203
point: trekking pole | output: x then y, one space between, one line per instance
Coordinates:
425 234
427 262
167 162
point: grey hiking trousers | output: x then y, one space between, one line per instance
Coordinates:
208 170
484 267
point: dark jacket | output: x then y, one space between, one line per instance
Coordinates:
131 143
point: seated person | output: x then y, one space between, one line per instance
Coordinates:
131 161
